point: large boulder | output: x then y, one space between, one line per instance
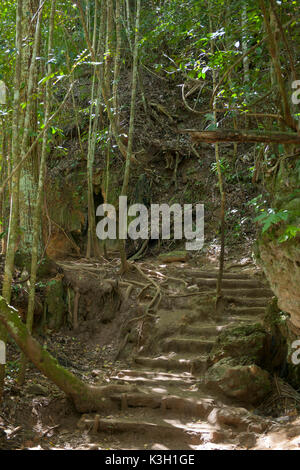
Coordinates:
281 263
246 383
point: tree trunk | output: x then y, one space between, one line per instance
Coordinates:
29 172
14 201
244 44
39 198
105 92
124 191
277 67
219 296
93 249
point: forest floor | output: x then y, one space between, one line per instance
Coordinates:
163 356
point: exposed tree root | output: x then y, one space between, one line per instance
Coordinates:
141 252
157 295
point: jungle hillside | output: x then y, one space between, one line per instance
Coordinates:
149 225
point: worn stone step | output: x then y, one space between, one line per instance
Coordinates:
258 292
200 331
187 345
141 377
230 283
246 302
245 319
157 428
194 405
247 311
174 363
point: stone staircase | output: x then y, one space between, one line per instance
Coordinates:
171 407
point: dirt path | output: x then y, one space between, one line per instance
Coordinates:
169 405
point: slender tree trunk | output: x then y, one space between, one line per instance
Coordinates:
29 172
14 200
219 295
105 93
3 174
117 63
277 68
244 44
116 79
125 265
39 198
284 38
93 248
71 75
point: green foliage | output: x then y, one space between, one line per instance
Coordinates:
290 232
270 218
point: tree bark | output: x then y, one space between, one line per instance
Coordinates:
105 92
131 126
291 122
31 24
93 249
14 202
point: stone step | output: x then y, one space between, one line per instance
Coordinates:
214 275
199 331
141 377
189 405
190 345
158 429
232 319
247 301
247 311
259 292
174 363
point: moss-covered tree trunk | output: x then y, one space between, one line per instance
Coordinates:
31 36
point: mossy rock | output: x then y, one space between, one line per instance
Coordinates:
247 383
247 343
174 256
